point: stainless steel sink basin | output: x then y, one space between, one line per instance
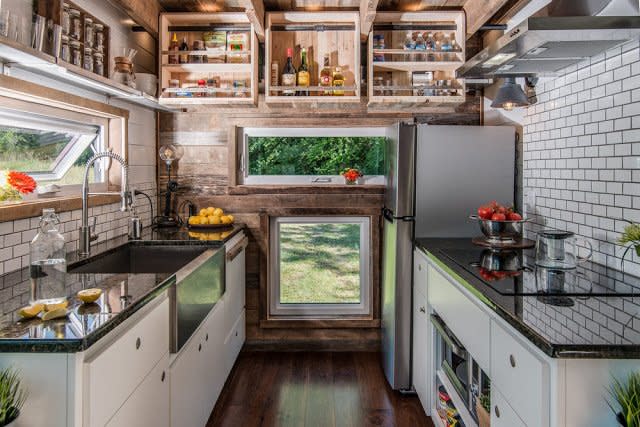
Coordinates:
135 258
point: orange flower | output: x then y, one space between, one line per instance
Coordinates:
352 174
21 182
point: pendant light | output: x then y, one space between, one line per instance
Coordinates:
510 95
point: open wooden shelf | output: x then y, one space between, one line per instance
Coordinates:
397 70
236 82
334 33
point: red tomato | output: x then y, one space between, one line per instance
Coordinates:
485 212
498 217
514 216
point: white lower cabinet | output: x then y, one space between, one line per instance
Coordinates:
420 349
502 415
148 405
234 342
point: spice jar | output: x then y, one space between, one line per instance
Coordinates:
98 63
123 71
88 59
174 84
65 53
76 54
196 58
66 19
98 29
74 21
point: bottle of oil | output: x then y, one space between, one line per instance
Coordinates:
174 47
338 81
326 76
303 73
47 262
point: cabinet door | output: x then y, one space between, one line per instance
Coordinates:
235 286
502 415
233 343
148 406
420 272
215 372
420 351
188 381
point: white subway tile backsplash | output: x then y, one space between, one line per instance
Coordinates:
582 154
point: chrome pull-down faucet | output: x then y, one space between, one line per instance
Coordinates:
87 233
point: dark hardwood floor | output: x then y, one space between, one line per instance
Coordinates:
309 389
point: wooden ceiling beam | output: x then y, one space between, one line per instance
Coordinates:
255 13
368 10
144 12
479 12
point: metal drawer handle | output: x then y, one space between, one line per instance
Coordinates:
138 343
236 333
199 346
497 411
163 376
419 267
422 310
512 360
206 338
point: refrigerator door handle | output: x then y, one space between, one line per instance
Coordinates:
388 215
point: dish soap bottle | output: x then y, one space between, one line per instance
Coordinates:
47 263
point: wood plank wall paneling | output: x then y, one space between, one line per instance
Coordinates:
206 171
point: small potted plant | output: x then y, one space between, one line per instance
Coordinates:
483 409
625 396
13 185
12 396
352 176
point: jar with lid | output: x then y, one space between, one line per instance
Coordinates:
88 32
76 54
47 261
74 23
98 29
195 58
98 63
88 59
123 71
174 84
65 53
66 19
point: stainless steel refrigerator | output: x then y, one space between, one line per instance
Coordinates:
436 176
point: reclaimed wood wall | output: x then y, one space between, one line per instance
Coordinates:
207 176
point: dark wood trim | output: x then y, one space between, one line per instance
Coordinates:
241 190
342 322
30 209
330 211
265 269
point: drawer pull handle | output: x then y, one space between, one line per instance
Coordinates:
236 333
419 267
497 411
422 310
138 343
200 347
512 361
163 376
206 338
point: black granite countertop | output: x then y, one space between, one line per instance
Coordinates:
590 312
123 295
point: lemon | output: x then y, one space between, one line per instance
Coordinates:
215 220
202 220
210 210
54 314
89 295
225 219
218 212
31 311
230 219
52 307
193 220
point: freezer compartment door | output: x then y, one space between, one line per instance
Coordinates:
459 168
397 259
399 170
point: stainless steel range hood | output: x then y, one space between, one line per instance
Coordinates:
542 46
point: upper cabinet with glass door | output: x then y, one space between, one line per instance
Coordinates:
413 57
208 58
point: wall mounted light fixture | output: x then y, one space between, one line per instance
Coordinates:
510 95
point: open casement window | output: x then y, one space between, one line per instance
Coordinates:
52 145
320 267
303 156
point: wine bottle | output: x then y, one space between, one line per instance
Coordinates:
184 57
303 73
174 47
326 76
289 74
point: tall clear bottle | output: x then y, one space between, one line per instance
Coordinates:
47 263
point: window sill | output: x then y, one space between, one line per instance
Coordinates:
334 323
239 190
33 208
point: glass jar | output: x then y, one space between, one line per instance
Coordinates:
76 54
98 29
65 54
66 19
88 32
88 59
47 261
197 58
98 63
74 21
174 84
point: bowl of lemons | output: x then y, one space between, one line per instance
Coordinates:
210 217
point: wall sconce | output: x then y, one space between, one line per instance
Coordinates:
510 95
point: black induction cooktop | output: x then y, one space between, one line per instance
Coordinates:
515 273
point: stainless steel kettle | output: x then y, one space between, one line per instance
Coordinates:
558 249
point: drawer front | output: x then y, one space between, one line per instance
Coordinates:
420 272
521 376
115 373
502 415
235 292
234 342
465 319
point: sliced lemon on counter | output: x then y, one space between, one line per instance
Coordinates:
56 306
31 311
54 314
89 295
